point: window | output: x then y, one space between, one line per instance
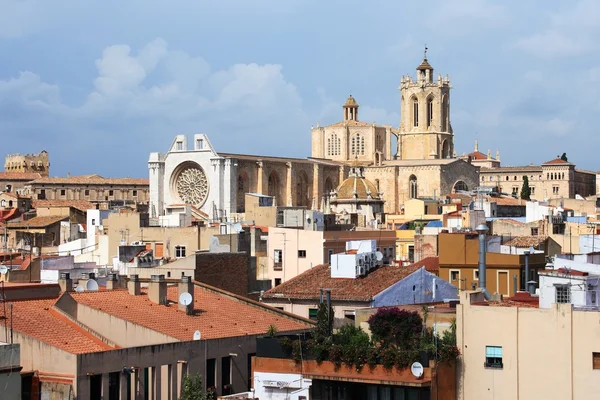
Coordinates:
475 275
87 192
179 251
93 221
563 294
353 150
3 203
277 281
350 314
301 253
595 360
63 192
555 189
199 144
329 254
226 375
429 112
280 308
179 146
411 253
593 297
134 193
211 373
534 231
111 192
312 313
168 274
532 189
412 186
454 276
415 112
493 357
278 260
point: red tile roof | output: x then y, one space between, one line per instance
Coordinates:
38 222
557 161
92 180
37 319
526 241
82 205
477 155
308 284
431 264
19 176
218 314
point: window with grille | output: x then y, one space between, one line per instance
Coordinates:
493 357
179 251
563 294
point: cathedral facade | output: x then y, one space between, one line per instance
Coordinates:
423 164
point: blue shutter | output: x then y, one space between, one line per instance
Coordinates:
493 351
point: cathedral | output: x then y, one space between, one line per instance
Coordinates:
422 164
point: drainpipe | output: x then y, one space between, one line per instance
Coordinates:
482 231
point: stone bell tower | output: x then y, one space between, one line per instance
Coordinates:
425 131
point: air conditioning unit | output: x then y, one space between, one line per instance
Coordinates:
360 270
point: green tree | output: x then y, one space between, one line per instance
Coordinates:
192 389
525 190
564 157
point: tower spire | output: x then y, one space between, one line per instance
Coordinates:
476 146
425 52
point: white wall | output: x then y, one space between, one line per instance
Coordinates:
535 211
580 296
72 248
275 386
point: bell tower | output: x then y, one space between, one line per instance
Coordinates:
425 130
350 109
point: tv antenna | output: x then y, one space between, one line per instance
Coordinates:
91 286
185 299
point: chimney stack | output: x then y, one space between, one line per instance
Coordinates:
112 282
122 281
186 286
482 230
65 282
85 277
157 291
134 286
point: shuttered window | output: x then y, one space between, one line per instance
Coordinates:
595 360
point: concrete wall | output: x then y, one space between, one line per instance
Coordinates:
10 366
289 241
547 353
302 307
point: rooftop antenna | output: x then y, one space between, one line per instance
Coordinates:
91 286
185 299
425 52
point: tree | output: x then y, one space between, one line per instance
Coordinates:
525 190
393 326
564 157
192 389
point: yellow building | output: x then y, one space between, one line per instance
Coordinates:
513 350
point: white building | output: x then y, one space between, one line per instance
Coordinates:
280 386
194 175
566 286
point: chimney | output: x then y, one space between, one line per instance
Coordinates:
133 286
157 291
65 282
112 282
186 286
482 230
122 281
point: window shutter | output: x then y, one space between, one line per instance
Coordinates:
595 360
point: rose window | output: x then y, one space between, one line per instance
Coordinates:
192 186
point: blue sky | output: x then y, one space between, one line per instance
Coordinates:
101 84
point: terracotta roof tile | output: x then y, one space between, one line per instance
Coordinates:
557 161
431 264
38 222
217 314
510 221
308 284
526 241
82 205
477 155
19 176
92 180
37 319
506 201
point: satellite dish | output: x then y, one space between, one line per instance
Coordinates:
197 335
79 289
185 299
379 256
3 270
417 369
91 285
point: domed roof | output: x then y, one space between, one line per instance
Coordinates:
357 187
350 102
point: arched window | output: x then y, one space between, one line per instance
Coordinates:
429 111
444 116
338 145
353 149
362 145
460 186
329 151
412 187
3 203
415 112
10 203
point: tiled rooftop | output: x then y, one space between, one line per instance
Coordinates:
82 205
477 155
217 314
526 241
557 161
19 176
308 284
38 222
37 319
351 123
92 180
431 264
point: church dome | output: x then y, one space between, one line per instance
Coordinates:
350 101
357 187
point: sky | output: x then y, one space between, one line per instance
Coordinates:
101 84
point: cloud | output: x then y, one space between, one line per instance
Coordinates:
142 98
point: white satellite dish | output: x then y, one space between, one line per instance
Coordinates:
79 289
3 270
197 335
185 299
379 256
417 369
91 285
